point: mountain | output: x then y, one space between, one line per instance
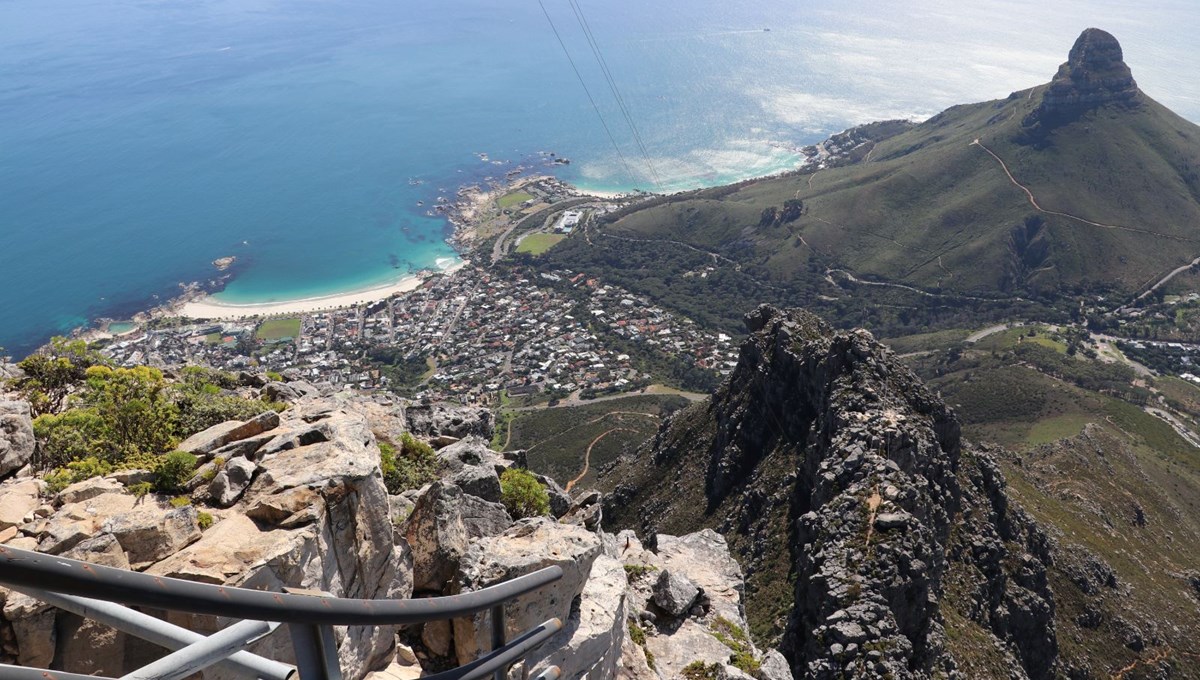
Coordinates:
877 542
1082 185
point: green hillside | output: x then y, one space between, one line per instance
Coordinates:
1116 187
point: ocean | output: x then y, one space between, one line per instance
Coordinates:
142 139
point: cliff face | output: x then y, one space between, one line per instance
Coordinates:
1094 74
828 466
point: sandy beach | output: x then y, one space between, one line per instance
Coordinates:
209 307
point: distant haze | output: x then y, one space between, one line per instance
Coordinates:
141 140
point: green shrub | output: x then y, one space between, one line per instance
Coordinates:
697 670
650 659
635 571
523 495
77 471
140 489
180 502
204 520
274 376
734 637
175 469
68 436
411 466
637 634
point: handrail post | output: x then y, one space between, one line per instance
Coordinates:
314 645
498 637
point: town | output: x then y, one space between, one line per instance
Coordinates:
477 333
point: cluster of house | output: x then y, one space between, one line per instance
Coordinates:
482 333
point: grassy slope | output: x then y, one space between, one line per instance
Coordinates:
1086 487
931 209
556 438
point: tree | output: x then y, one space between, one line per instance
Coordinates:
51 375
523 495
133 404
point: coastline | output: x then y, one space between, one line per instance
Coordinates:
207 307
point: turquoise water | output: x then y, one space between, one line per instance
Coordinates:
141 139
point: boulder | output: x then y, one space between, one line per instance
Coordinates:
16 436
480 481
219 435
33 627
88 489
76 522
279 391
437 536
103 549
703 557
674 593
591 639
529 545
88 647
233 480
150 533
774 667
432 420
483 518
470 451
560 500
18 500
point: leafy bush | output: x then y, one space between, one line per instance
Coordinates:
734 637
204 520
411 466
77 471
697 670
635 571
140 489
180 502
175 469
132 403
72 435
52 375
274 377
636 633
523 495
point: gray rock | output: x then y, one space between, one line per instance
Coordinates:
674 593
527 546
432 420
18 500
480 481
483 518
148 534
219 435
16 436
590 643
279 391
437 536
560 500
886 521
88 489
774 667
103 549
232 481
470 451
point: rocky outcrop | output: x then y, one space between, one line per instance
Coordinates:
1095 74
311 512
16 436
431 420
829 465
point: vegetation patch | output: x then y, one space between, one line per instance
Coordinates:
514 199
278 329
536 244
523 495
410 466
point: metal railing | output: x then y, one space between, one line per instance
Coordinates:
94 591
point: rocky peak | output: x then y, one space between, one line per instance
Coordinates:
833 472
1094 74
